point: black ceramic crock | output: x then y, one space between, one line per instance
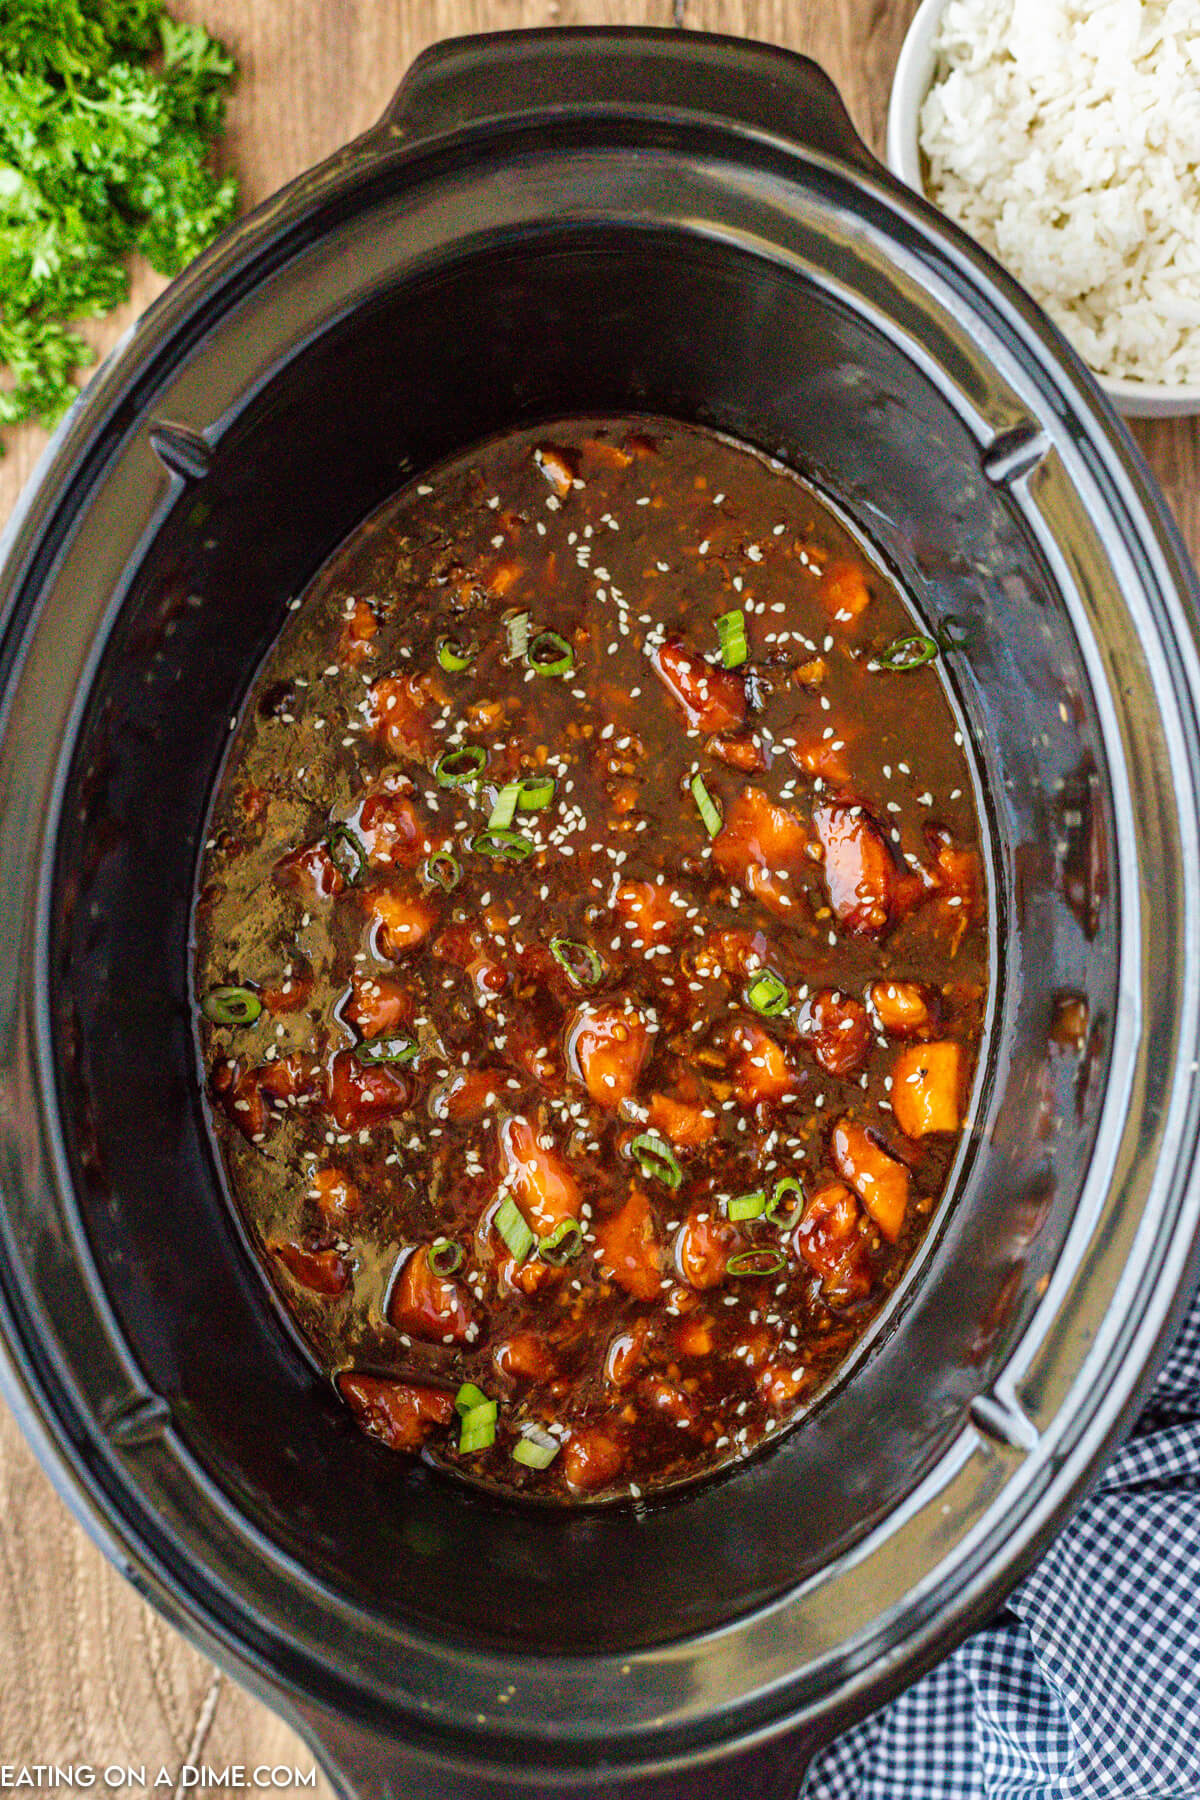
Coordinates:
543 225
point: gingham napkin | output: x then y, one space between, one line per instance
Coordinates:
1087 1685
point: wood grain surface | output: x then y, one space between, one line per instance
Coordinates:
88 1673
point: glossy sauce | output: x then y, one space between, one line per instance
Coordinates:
619 1124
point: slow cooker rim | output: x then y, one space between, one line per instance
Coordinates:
34 525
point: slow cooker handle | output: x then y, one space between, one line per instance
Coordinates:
504 76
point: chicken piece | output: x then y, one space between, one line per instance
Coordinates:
524 1357
625 1354
661 1396
958 876
762 846
811 674
289 1078
291 993
744 753
312 872
926 1080
837 1031
729 953
253 801
467 1095
337 1198
485 715
502 576
903 1008
402 921
702 1248
477 954
860 870
606 1046
912 887
398 1413
558 466
425 1305
398 718
828 1229
537 1177
246 1094
378 1006
694 1336
321 1270
630 1252
880 1181
361 625
528 1277
712 699
844 592
685 1123
619 767
761 1071
592 1459
236 1091
780 1383
823 759
526 1049
362 1096
754 1346
607 456
392 832
648 913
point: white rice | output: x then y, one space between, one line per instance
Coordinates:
1064 135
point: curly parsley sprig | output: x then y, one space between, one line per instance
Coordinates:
108 112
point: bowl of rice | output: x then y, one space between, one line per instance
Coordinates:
1064 136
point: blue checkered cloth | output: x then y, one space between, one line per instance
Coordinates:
1087 1685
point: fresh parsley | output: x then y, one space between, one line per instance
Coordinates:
108 112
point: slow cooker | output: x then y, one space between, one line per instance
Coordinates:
546 224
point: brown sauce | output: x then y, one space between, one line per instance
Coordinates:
615 1010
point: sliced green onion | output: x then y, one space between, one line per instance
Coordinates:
347 853
468 1398
231 1006
535 792
510 845
511 1224
529 795
907 653
656 1158
747 1206
563 1244
708 809
536 1449
445 1256
582 964
386 1050
478 1431
505 809
442 870
768 994
731 630
778 1211
517 626
455 768
756 1262
455 657
550 654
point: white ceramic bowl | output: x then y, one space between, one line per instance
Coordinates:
910 84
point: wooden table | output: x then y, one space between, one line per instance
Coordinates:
88 1673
